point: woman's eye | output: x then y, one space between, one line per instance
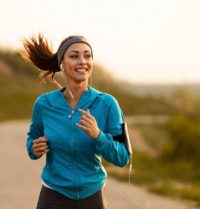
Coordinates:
77 56
87 56
73 56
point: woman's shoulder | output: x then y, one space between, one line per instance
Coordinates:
105 97
44 97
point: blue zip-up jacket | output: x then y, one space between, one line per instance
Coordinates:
73 164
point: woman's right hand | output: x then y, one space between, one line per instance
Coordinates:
40 146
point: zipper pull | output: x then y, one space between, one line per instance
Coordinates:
70 116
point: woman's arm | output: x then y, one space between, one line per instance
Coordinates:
113 151
110 149
35 131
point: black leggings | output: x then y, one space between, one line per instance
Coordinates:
50 199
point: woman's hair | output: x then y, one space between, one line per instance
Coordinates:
39 52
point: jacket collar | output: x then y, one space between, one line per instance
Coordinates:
57 100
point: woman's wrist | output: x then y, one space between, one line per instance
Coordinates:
97 135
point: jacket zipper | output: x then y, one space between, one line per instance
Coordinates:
73 155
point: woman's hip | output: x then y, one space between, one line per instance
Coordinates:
50 199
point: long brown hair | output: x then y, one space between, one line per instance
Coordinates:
39 52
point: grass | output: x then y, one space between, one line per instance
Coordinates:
173 179
191 192
17 98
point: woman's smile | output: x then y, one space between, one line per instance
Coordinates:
81 70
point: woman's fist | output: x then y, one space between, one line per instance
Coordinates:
88 124
40 146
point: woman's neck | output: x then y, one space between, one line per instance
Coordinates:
73 93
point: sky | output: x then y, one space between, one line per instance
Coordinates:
140 41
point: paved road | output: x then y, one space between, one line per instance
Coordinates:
20 184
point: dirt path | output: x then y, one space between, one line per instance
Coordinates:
138 140
20 184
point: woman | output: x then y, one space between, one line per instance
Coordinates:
74 127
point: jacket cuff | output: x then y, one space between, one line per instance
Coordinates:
31 154
101 140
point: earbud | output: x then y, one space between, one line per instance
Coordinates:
61 67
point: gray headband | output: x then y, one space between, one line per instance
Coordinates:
68 43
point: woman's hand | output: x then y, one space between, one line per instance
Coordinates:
88 124
40 146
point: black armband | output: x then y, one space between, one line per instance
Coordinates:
124 138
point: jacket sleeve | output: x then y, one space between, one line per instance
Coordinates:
35 129
113 151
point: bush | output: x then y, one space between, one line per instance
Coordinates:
184 142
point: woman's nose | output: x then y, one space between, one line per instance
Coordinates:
82 60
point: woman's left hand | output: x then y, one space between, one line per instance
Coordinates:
88 124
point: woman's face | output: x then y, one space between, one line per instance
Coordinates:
78 63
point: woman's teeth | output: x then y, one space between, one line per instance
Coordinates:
81 70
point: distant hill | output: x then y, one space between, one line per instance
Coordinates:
160 90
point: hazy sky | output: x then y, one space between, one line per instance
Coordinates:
137 40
